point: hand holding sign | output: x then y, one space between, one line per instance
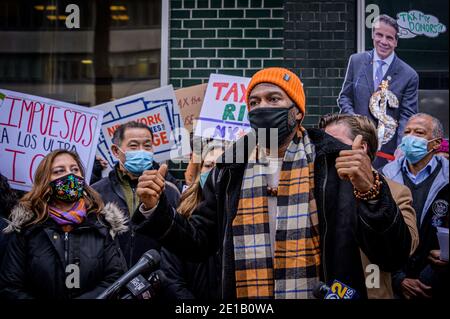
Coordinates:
150 186
355 166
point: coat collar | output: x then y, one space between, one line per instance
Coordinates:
111 214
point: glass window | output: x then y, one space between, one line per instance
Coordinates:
115 52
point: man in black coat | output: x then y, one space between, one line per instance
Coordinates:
120 185
350 205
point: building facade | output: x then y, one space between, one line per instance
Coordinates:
122 47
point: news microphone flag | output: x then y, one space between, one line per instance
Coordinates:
338 290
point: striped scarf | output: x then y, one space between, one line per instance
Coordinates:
293 271
75 215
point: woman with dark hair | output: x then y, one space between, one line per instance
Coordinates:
62 243
190 280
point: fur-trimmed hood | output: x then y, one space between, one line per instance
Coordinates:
111 214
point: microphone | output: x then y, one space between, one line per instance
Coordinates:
149 261
338 290
138 287
142 288
321 290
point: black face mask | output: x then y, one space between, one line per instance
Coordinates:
273 117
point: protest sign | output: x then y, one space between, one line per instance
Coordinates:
155 108
416 23
33 126
224 111
190 102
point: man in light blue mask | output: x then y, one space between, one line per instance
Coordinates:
427 176
133 147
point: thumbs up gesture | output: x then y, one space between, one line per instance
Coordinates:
355 166
150 186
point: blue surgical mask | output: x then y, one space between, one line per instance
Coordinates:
203 178
415 148
136 162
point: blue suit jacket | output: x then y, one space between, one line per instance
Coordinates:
358 88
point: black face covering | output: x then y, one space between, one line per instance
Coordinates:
273 117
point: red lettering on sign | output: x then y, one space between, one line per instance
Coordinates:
160 138
233 90
13 178
67 124
91 130
32 165
10 112
244 93
52 120
219 86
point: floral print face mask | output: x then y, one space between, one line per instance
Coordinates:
68 188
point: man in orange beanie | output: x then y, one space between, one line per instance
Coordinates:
284 221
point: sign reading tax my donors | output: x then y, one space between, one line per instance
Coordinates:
415 23
33 126
157 109
224 110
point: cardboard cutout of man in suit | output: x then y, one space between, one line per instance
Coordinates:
365 72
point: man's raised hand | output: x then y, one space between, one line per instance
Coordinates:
150 186
355 165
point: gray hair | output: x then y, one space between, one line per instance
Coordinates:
438 129
387 20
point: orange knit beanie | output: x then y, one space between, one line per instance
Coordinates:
283 78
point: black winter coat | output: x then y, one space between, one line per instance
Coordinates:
37 259
346 224
3 238
428 233
190 280
133 244
418 265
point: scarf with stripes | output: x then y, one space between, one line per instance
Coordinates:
73 216
292 270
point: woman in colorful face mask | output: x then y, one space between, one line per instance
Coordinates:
63 242
189 280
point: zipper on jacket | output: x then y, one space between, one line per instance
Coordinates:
133 205
66 260
132 234
325 220
66 248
